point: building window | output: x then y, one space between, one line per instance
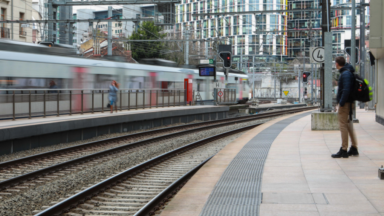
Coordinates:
21 29
349 23
3 17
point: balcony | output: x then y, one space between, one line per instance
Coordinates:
5 33
22 33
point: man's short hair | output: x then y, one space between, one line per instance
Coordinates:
340 60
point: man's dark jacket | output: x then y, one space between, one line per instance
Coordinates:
346 82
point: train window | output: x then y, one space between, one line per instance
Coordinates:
103 81
135 82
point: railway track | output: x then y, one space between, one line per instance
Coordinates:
141 190
23 173
63 178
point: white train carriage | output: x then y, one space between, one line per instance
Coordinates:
34 71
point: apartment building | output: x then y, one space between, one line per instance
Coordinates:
22 10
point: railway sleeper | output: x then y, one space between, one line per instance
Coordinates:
94 212
119 199
98 203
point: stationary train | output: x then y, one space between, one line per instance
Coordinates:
40 65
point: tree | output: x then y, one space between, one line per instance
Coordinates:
175 50
147 31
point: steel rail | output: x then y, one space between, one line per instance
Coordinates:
48 170
7 164
86 194
156 202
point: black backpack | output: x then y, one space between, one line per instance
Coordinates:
361 91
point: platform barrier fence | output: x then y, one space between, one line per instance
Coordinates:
28 103
224 96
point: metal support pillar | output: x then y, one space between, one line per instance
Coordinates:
353 48
206 49
275 85
253 77
325 27
186 50
303 75
362 44
70 33
312 76
241 61
299 82
110 31
328 72
316 75
11 19
280 87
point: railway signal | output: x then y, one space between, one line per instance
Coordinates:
227 59
305 77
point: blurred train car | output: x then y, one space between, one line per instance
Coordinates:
39 65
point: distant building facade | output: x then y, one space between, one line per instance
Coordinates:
252 36
81 30
22 10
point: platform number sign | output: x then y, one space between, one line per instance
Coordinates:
316 54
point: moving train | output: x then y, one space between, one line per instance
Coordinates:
39 65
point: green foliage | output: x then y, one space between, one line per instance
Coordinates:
147 31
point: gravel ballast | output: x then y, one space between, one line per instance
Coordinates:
42 195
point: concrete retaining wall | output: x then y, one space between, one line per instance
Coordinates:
26 137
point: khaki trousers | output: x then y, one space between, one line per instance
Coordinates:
346 126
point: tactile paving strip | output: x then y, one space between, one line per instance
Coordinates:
238 190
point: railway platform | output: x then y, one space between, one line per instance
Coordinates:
23 133
284 168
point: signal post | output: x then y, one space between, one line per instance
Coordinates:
325 119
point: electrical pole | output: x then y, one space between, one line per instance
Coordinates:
11 19
353 48
362 43
326 69
299 80
186 50
312 75
110 31
303 69
275 81
275 84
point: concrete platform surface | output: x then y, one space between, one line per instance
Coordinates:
299 176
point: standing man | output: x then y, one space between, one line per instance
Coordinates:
346 104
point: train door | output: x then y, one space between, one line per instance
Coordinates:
152 85
79 82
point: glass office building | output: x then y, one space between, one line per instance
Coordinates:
254 38
300 41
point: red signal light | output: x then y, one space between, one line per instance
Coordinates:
304 75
